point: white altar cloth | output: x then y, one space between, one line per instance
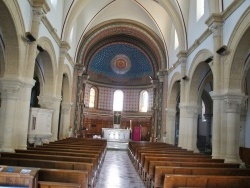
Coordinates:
115 134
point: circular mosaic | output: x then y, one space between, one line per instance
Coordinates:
120 64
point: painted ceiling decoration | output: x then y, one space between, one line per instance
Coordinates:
121 53
120 63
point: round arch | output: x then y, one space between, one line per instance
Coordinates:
198 67
10 14
48 64
66 84
174 91
238 46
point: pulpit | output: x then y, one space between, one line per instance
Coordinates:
39 125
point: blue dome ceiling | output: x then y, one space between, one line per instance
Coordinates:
120 62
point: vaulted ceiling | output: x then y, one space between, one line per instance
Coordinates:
119 35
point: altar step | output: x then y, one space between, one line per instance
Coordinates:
117 144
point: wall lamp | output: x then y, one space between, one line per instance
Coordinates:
209 59
184 77
40 48
222 50
30 37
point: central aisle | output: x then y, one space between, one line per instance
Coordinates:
118 171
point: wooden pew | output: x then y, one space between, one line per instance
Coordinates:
47 184
161 171
88 167
63 178
94 161
177 159
172 155
205 181
13 176
151 176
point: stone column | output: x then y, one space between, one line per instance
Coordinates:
77 92
243 118
154 127
191 127
171 113
160 105
40 8
52 103
182 125
81 103
232 107
65 121
10 93
208 118
214 23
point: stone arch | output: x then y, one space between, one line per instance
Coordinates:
198 67
111 31
66 84
48 65
174 91
238 45
12 26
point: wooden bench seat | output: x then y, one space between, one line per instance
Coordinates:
152 164
161 171
145 167
88 167
205 181
49 184
94 161
12 176
77 177
178 155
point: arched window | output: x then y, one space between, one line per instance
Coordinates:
143 101
54 3
93 97
200 9
118 100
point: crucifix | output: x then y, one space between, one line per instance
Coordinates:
117 117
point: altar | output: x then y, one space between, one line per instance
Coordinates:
116 134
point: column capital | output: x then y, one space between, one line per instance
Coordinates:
10 88
38 13
40 4
214 18
48 102
233 102
216 29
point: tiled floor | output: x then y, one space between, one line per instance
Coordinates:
118 172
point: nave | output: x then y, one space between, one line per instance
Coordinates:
118 171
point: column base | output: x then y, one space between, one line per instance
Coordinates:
232 160
7 150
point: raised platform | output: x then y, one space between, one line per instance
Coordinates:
117 144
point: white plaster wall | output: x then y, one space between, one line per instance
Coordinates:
206 44
172 52
196 28
171 74
26 13
231 21
66 6
55 16
226 3
73 43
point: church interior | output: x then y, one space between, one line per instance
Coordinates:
125 93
